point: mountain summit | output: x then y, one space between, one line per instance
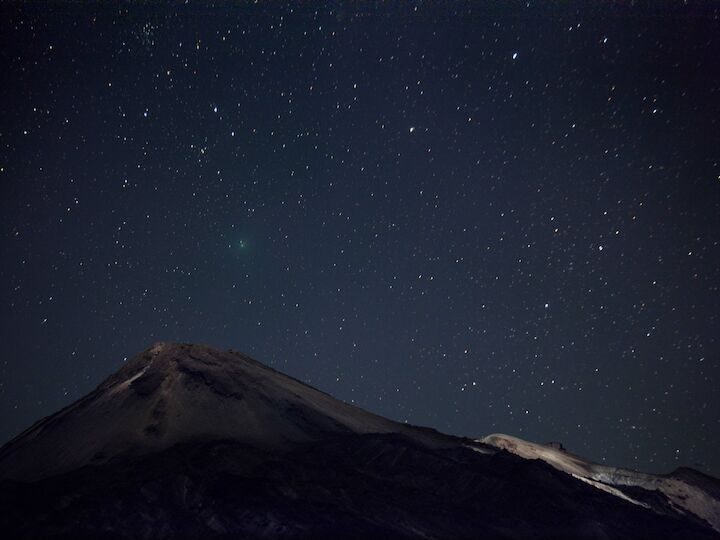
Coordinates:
186 441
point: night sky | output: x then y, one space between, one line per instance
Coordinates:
484 217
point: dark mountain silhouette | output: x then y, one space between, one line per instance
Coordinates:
189 442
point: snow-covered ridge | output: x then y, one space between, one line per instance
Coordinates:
685 496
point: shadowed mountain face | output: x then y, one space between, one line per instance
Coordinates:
186 441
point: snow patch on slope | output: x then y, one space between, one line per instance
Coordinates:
123 385
609 489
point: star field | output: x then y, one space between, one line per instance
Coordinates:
477 217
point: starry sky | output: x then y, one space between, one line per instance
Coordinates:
481 217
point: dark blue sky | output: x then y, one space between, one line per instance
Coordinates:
487 218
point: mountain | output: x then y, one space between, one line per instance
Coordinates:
186 441
172 394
